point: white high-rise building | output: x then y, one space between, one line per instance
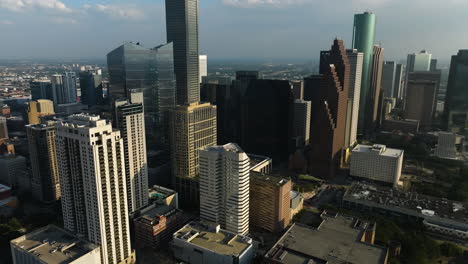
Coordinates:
352 114
91 165
302 111
224 187
203 64
418 62
130 120
64 88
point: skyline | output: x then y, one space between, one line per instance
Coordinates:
293 29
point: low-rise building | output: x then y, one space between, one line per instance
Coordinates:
161 195
439 215
297 202
202 243
269 201
53 245
338 239
407 125
377 163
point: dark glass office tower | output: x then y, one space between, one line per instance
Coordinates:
456 99
182 30
41 89
363 41
134 67
91 87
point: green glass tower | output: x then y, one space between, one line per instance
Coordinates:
363 41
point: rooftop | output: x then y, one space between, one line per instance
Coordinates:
409 202
214 239
159 192
53 245
378 149
152 214
275 179
258 161
231 147
336 241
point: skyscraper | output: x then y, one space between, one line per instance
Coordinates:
132 66
224 187
182 31
388 79
45 179
91 87
130 121
301 122
363 41
329 105
433 66
91 165
37 109
375 96
418 62
398 84
420 101
41 89
203 66
433 76
456 100
352 114
64 88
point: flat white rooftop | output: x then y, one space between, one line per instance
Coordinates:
379 149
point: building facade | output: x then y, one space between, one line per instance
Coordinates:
14 172
375 95
64 88
91 165
420 101
301 122
41 89
418 62
388 79
91 87
224 187
446 145
355 77
37 109
203 61
3 128
398 88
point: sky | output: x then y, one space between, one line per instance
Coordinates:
230 29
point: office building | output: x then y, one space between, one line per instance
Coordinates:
405 126
329 96
438 215
53 245
398 84
420 101
418 62
301 122
41 89
64 88
224 187
219 95
182 31
45 179
132 66
37 109
91 87
269 201
164 196
14 172
91 165
388 79
377 163
130 120
260 164
192 127
446 145
298 89
456 99
352 113
337 239
202 243
375 93
3 128
363 41
203 61
434 76
433 66
156 224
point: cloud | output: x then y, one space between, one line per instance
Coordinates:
120 12
64 21
28 5
6 22
257 3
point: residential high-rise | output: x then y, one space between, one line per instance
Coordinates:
132 66
388 79
91 165
64 88
41 89
352 114
363 41
3 128
329 96
91 87
420 100
301 122
456 99
418 62
398 84
37 109
45 179
182 31
192 127
130 120
203 61
224 187
375 96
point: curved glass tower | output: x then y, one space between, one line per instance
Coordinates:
363 41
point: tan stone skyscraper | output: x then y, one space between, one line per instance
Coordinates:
37 109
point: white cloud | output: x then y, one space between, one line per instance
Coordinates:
121 12
6 22
27 5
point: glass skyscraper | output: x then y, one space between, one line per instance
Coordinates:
182 30
134 67
363 41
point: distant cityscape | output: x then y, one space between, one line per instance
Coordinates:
160 155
